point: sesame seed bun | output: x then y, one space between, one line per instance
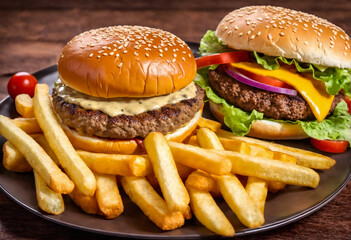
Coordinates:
277 31
266 129
126 61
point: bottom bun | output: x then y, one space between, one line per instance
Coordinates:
266 129
124 146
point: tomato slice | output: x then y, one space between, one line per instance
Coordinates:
266 80
348 101
332 146
222 58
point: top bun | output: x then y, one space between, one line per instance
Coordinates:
126 61
277 31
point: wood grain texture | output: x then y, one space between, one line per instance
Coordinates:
32 34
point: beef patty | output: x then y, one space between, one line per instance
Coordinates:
96 123
272 105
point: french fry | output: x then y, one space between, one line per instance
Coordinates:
208 139
183 170
13 160
257 189
73 165
271 170
154 207
201 181
199 158
87 203
117 164
187 213
192 141
48 200
24 105
208 213
239 201
278 186
208 123
303 157
172 187
28 125
107 195
40 139
36 157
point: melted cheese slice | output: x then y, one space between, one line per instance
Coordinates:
312 90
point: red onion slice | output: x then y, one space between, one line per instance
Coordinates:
248 81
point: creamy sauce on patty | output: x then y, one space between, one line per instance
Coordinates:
118 106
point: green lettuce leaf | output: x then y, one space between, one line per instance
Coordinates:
334 78
210 44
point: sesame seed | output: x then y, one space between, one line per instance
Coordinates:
259 19
136 54
236 27
249 32
281 34
332 42
305 25
91 54
117 55
259 33
183 58
297 38
173 60
252 37
104 54
174 55
274 25
160 50
331 46
267 26
345 53
240 34
125 51
270 36
147 55
120 47
120 65
98 56
346 48
306 43
320 45
161 55
104 47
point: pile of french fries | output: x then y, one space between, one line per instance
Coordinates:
169 183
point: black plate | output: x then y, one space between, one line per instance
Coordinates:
282 208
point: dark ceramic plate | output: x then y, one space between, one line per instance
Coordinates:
282 208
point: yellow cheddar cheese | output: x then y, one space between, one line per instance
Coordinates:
312 90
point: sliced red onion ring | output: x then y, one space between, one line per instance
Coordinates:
248 81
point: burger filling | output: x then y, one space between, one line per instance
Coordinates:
178 110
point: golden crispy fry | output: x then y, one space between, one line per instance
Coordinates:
208 139
208 213
117 164
69 159
28 125
208 123
239 201
188 214
257 189
183 171
87 203
48 200
172 187
199 158
36 156
107 195
303 157
40 138
24 105
192 141
278 186
201 181
13 160
154 207
272 170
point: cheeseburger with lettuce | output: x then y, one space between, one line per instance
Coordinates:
275 73
117 84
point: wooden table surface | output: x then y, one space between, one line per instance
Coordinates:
32 34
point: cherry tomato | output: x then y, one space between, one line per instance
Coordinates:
348 101
222 58
331 146
21 82
266 80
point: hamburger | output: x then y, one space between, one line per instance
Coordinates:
275 73
117 84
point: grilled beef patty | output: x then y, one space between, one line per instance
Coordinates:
272 105
96 123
